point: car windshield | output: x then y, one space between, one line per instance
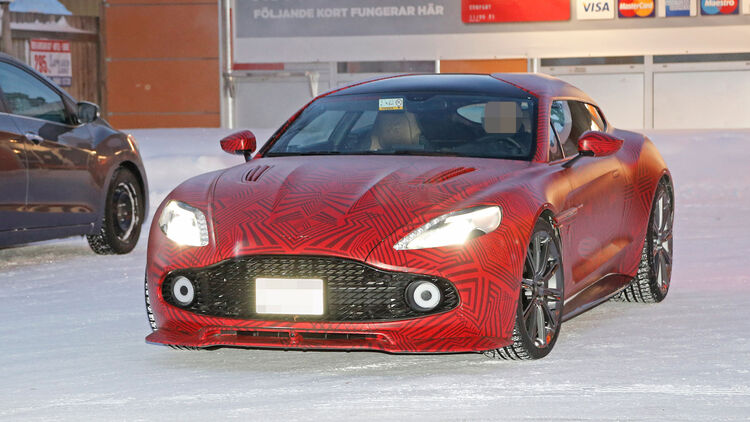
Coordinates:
416 123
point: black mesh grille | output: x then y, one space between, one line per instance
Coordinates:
353 291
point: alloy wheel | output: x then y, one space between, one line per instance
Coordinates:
541 293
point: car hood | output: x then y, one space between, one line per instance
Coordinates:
341 205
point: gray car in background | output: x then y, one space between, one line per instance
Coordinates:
64 171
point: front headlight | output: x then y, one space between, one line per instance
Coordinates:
184 224
453 229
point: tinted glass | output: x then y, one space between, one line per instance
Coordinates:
430 123
598 121
555 153
28 96
571 119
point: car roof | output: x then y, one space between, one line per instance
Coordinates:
513 85
463 83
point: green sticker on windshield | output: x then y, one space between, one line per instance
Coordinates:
390 104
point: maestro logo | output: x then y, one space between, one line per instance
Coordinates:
636 8
720 7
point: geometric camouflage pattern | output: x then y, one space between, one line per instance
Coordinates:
239 142
599 143
358 207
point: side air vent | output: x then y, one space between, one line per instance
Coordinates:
448 174
255 173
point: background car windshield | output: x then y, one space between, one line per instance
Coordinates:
413 123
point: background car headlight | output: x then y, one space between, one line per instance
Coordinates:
453 229
184 224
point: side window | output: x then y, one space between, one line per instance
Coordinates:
596 118
555 153
572 119
28 96
562 121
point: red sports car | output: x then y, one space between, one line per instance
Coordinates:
417 213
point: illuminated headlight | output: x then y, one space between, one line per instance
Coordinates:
184 224
453 229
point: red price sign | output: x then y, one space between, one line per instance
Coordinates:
40 64
487 11
52 58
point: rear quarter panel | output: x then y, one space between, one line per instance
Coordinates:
644 167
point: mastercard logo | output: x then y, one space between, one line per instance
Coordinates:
636 8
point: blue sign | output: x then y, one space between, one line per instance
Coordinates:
677 7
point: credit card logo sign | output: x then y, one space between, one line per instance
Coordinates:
602 9
677 8
720 7
636 8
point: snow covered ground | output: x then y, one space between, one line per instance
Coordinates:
72 326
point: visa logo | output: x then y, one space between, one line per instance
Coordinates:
596 6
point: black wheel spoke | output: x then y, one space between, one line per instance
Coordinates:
529 265
540 334
666 211
544 241
551 271
537 254
666 258
551 318
531 320
553 293
664 274
528 309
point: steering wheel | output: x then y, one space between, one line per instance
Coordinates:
493 138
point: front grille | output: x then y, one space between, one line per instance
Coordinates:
353 291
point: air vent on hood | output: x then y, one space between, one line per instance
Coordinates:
254 174
448 174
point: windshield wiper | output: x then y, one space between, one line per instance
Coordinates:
290 154
407 152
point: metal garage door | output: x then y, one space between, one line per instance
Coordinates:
702 99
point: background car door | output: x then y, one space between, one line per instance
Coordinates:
61 191
13 175
596 199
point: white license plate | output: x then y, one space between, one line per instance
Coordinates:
289 296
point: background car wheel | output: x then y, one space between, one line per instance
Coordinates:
540 303
123 216
651 284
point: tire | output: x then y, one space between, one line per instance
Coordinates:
651 284
122 216
541 296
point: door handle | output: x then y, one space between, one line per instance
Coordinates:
33 137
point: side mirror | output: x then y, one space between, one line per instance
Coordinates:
595 144
242 143
598 144
87 112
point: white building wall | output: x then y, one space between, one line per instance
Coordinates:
641 96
